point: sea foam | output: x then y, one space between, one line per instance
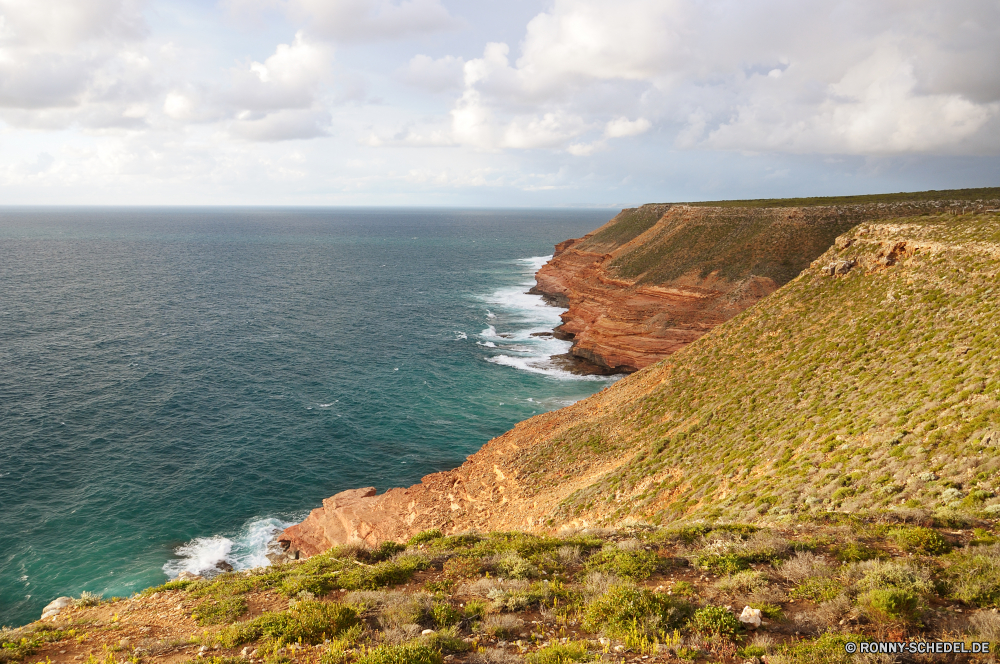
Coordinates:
515 315
245 549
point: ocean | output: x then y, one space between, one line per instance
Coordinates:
178 384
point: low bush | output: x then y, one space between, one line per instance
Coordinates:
559 653
409 653
881 575
827 649
424 537
920 540
715 620
218 611
890 605
974 576
502 626
624 608
308 622
746 581
818 589
16 644
636 565
854 552
445 640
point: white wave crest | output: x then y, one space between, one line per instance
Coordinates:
244 549
543 366
460 336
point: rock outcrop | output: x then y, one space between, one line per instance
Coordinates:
655 278
740 424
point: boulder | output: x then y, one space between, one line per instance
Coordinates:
188 576
750 617
55 606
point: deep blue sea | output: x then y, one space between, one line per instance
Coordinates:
176 384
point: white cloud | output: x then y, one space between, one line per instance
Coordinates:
365 20
283 125
433 74
883 78
290 78
65 54
622 127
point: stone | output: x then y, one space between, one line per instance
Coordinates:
189 576
223 566
54 607
426 632
750 617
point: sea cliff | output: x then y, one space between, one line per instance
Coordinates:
746 390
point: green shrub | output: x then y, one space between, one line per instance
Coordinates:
853 552
442 586
716 620
684 589
310 622
890 605
636 565
974 576
386 550
336 651
445 615
215 612
921 540
410 653
751 651
446 640
381 575
463 567
16 644
425 536
574 651
475 609
511 565
881 574
624 607
827 649
818 589
727 563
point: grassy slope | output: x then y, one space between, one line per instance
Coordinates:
842 393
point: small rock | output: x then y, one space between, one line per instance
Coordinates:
750 616
224 566
427 631
125 642
188 576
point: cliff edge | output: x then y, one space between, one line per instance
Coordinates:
870 380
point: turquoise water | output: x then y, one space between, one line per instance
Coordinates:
175 385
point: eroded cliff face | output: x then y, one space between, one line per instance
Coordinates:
739 424
655 278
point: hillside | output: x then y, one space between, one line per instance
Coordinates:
874 387
826 458
657 277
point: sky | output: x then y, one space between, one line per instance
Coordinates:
521 103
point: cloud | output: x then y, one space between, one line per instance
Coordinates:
283 125
368 20
63 54
622 127
434 75
882 78
290 78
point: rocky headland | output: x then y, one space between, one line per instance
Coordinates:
696 434
814 465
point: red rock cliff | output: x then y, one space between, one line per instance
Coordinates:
641 287
655 278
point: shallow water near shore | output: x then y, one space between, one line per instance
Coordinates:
177 384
